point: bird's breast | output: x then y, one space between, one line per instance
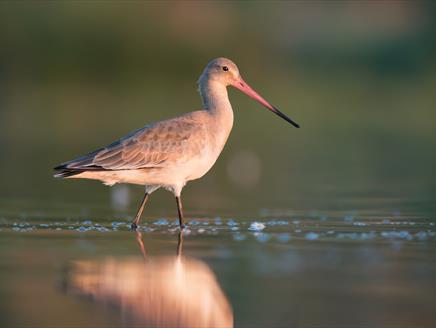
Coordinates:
213 146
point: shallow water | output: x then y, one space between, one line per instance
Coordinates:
330 225
277 269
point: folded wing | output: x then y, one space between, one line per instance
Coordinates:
150 147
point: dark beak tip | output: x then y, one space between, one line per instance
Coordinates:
292 122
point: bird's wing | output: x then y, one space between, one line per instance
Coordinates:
149 147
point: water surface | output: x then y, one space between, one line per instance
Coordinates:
277 269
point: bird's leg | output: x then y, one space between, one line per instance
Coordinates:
180 243
180 210
139 213
141 244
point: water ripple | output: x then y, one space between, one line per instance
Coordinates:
308 229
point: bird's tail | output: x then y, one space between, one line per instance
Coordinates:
76 166
65 174
62 171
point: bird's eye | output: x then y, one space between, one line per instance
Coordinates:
225 68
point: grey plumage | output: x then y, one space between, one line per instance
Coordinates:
148 147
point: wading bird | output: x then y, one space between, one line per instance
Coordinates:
172 152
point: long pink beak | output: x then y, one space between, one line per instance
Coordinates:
245 88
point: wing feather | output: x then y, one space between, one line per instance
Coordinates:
150 147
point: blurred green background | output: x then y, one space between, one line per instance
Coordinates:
359 77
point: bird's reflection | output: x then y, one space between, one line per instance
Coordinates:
155 291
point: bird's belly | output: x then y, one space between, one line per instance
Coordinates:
138 176
199 166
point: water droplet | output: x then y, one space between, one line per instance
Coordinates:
194 222
311 236
256 226
161 222
231 223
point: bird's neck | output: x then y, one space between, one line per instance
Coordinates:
217 104
215 98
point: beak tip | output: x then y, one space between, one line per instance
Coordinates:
296 125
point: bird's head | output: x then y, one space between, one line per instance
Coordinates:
222 70
225 72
